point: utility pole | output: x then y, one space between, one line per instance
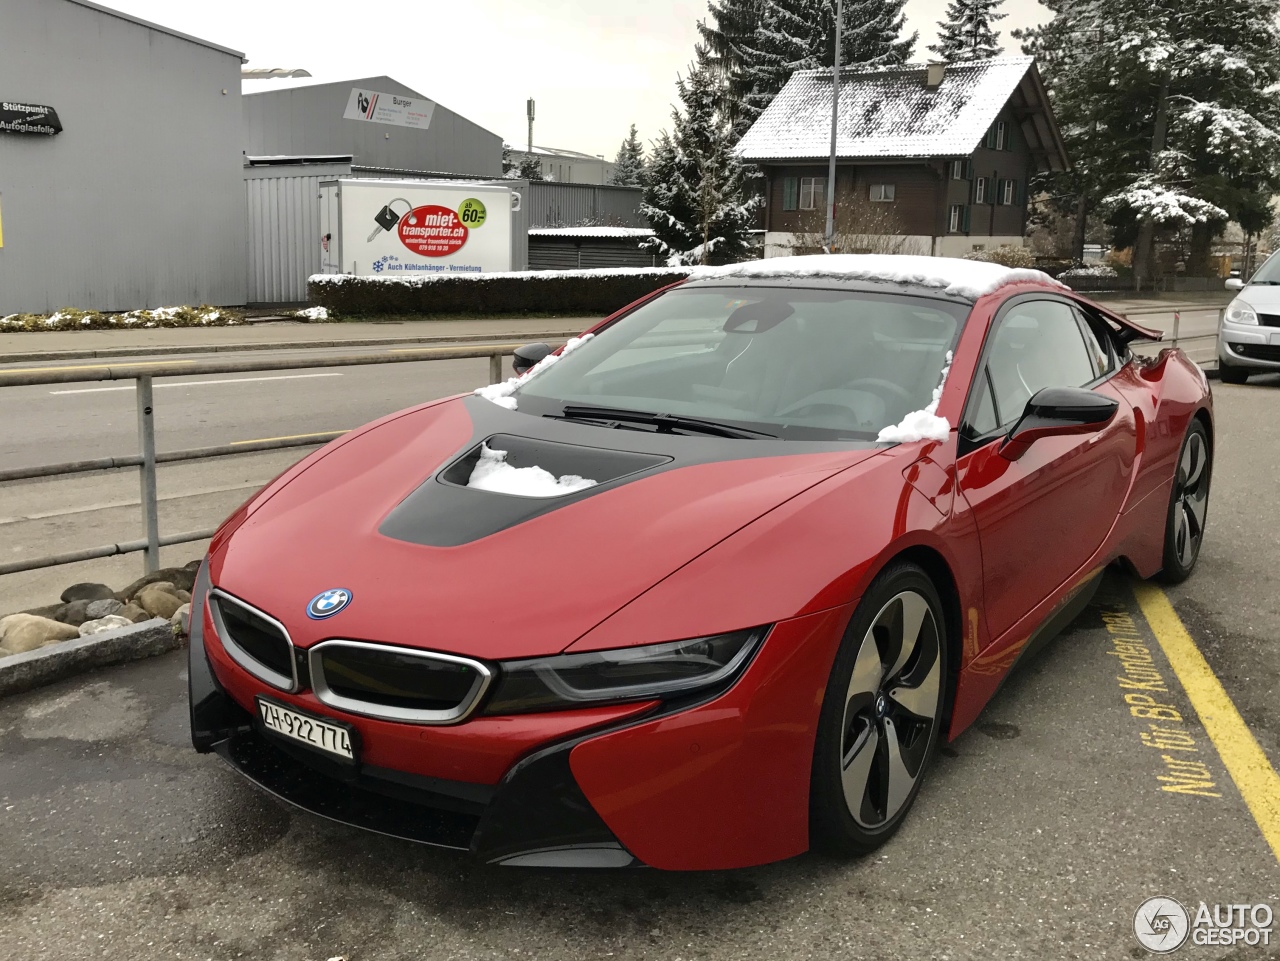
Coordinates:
835 120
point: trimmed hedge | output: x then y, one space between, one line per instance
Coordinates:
572 292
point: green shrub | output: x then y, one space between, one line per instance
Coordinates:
568 292
69 318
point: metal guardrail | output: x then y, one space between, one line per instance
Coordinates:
147 459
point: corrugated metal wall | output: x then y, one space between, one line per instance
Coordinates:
138 202
572 205
566 254
284 229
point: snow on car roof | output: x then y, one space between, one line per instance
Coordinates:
968 279
885 111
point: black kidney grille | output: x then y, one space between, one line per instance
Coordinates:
256 636
396 679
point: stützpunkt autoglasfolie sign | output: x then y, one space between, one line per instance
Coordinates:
399 227
28 118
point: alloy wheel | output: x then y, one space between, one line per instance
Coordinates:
1191 497
891 710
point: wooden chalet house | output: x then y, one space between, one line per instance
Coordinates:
931 158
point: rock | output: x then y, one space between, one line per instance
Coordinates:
75 613
181 579
184 596
103 608
157 600
87 592
134 613
110 622
193 566
182 619
26 632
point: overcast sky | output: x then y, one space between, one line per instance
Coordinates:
594 66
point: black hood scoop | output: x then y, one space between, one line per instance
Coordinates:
445 512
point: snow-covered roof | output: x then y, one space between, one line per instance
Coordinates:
592 232
969 279
889 112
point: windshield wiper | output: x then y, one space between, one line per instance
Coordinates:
665 423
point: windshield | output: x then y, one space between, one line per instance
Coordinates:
1269 272
792 363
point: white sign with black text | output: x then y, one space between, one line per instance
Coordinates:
375 107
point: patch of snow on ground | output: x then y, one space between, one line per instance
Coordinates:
493 473
312 313
962 278
921 424
502 394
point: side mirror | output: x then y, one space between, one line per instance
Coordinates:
1055 411
1234 283
525 357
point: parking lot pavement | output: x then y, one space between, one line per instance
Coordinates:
1039 833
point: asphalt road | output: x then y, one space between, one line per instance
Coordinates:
1039 833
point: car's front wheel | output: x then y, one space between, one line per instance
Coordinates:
882 714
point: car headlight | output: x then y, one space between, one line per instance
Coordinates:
1238 312
623 674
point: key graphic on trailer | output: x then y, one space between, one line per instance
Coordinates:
386 218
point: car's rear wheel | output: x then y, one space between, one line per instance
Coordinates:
1231 375
1188 506
882 714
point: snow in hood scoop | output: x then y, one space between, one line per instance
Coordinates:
493 473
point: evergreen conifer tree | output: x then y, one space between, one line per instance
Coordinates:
969 33
696 197
629 166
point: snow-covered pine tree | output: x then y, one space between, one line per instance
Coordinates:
969 32
696 198
1168 113
629 165
729 38
508 165
756 45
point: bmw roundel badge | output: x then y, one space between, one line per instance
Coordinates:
328 603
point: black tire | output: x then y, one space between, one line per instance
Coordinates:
1188 505
1231 375
873 729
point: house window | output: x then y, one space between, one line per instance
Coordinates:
1002 136
882 193
1008 192
813 192
790 193
958 219
961 170
980 190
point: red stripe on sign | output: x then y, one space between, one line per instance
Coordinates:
372 106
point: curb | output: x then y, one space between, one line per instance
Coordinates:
108 352
53 662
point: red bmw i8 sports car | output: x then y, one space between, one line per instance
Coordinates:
708 587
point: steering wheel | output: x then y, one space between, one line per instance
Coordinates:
881 387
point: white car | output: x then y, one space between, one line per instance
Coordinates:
1249 335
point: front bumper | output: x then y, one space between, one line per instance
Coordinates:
720 783
1249 346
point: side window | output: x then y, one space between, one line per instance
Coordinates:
1098 344
1038 344
981 417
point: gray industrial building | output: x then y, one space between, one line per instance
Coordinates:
324 121
138 199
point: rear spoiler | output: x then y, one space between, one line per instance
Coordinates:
1127 330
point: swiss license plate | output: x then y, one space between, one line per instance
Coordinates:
330 738
1275 340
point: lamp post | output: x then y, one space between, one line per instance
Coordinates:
835 119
